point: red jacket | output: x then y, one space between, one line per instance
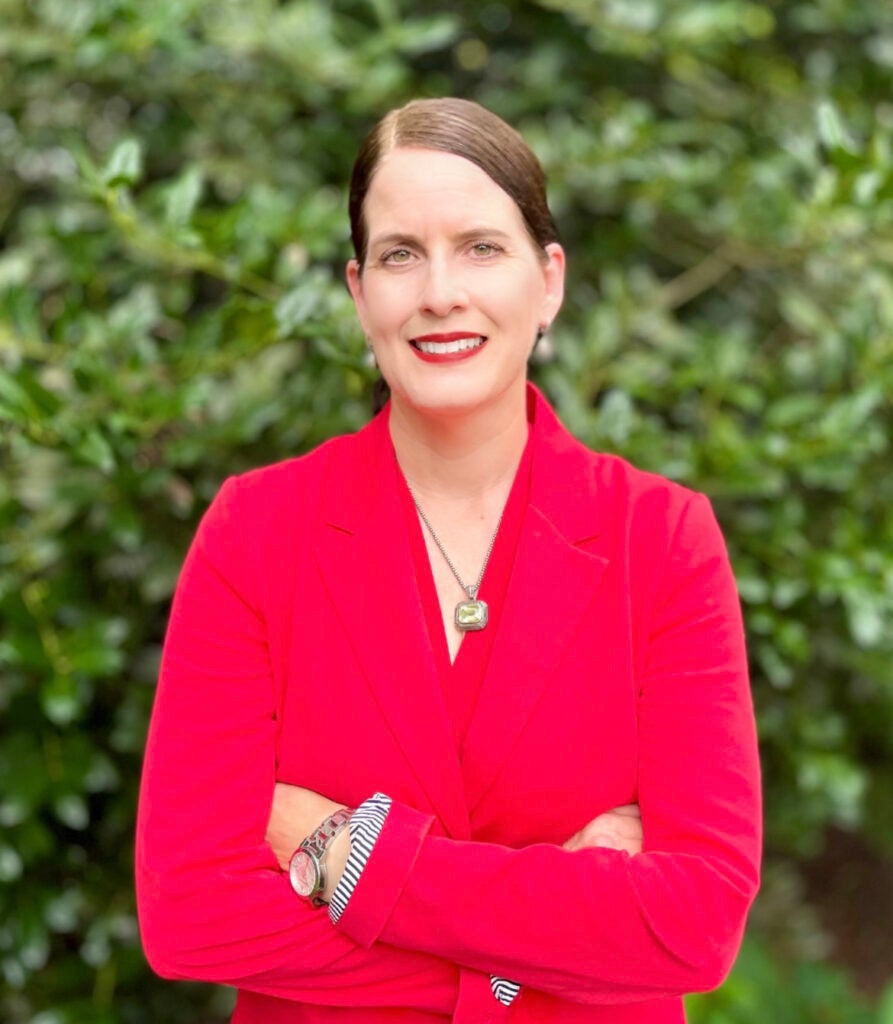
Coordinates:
297 652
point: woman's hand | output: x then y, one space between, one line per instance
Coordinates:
618 829
295 813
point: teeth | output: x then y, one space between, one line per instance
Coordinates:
436 348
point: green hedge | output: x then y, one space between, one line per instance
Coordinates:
172 214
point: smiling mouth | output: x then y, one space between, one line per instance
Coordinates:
445 348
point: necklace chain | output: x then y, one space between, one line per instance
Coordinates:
471 591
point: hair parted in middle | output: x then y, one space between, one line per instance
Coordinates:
465 129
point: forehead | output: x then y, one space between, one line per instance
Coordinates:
425 186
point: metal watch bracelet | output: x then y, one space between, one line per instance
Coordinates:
306 869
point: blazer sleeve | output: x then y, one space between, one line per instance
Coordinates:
213 904
596 925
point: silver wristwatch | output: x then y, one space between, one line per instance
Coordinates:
306 869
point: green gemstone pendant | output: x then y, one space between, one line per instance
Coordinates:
471 616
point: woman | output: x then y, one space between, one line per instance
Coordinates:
402 670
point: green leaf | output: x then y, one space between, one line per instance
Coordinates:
300 304
125 165
833 130
95 450
72 811
61 700
10 864
15 402
183 197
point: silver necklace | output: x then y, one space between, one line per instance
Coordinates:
471 615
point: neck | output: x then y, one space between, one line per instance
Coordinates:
461 457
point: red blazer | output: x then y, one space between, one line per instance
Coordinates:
297 651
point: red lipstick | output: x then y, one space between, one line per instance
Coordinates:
447 347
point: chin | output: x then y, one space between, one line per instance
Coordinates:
459 398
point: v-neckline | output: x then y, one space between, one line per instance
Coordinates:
463 677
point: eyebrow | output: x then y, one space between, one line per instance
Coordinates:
481 231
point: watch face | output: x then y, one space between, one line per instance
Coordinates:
303 872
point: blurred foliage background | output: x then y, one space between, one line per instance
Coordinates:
173 227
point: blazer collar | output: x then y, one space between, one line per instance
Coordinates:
563 487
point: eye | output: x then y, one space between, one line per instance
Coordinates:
397 257
485 248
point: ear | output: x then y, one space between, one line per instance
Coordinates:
354 276
553 275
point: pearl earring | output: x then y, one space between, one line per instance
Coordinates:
543 347
369 356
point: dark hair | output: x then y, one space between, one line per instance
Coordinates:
465 129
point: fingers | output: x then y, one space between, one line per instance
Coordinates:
627 811
617 829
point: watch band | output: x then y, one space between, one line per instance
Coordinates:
307 870
325 832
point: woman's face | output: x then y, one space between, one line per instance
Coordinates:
453 290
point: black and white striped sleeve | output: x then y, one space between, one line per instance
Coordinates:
505 991
365 827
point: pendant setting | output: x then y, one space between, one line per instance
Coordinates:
471 616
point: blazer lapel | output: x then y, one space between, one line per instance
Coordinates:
556 574
364 556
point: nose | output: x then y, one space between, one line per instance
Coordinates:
443 289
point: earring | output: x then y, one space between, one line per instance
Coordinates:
369 357
543 347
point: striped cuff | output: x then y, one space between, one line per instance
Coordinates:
505 991
365 827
